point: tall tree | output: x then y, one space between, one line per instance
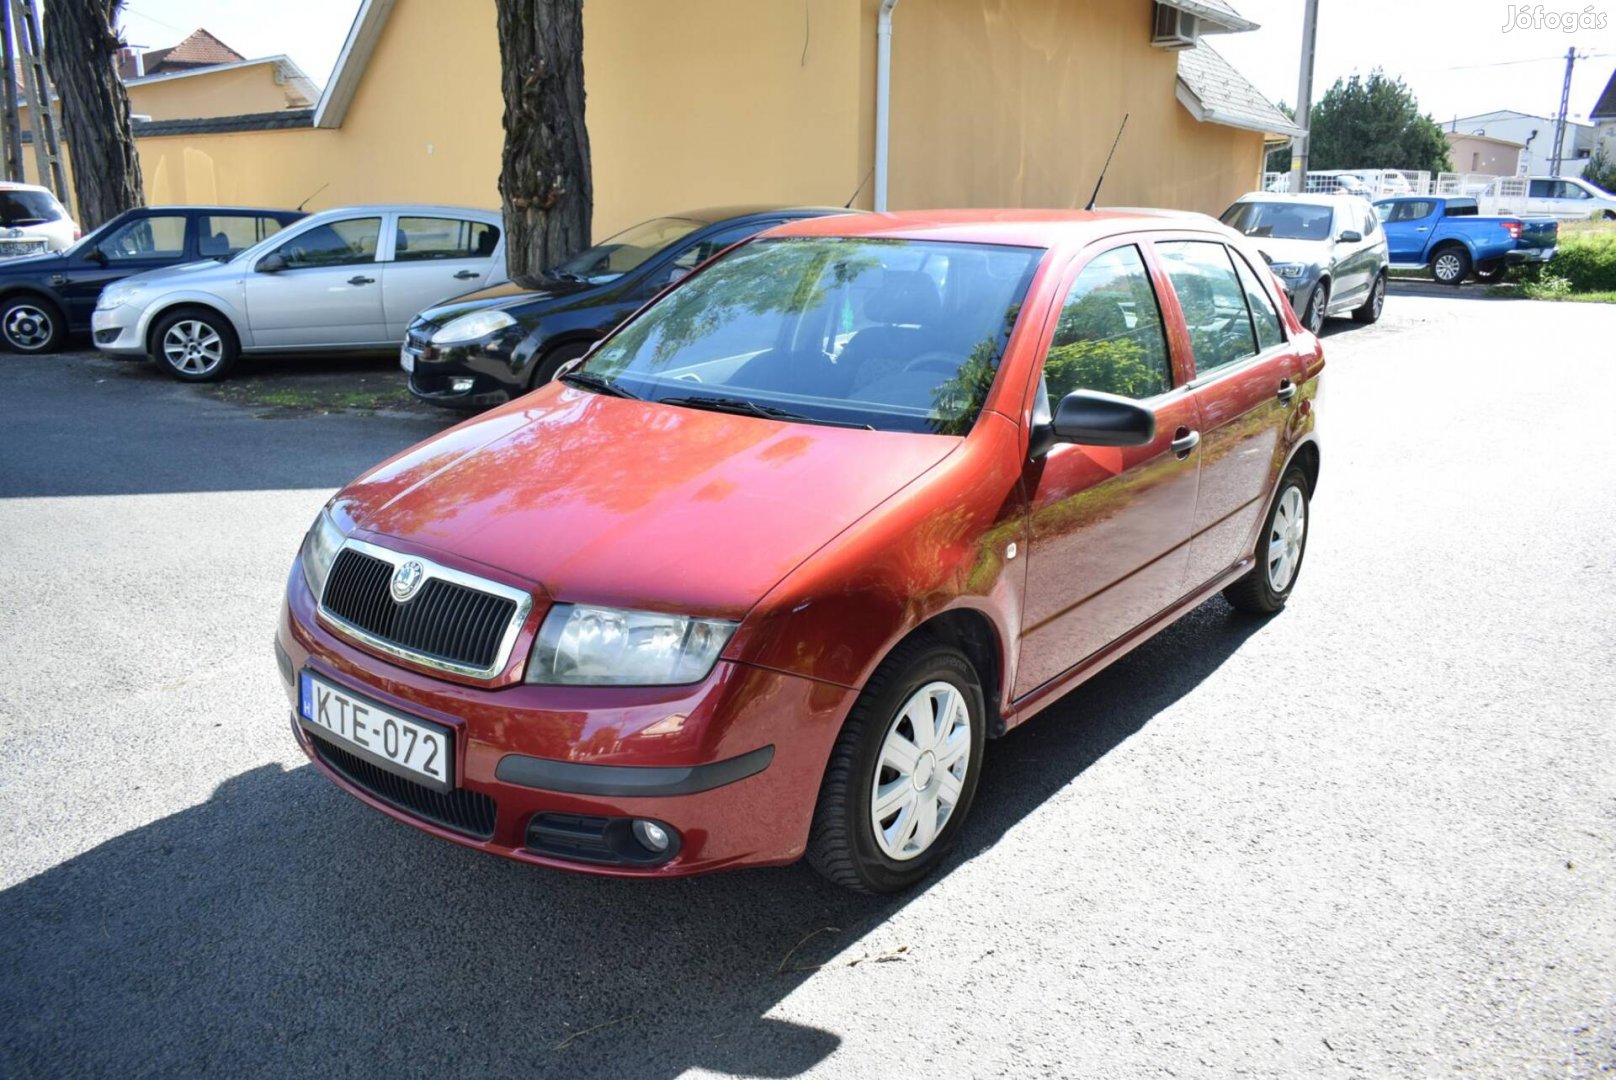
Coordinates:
544 181
81 51
1375 123
1279 160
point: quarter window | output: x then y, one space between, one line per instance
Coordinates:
336 243
1109 336
1213 301
154 237
421 239
1264 316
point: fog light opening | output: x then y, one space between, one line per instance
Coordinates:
461 383
652 837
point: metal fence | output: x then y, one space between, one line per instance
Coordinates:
1494 193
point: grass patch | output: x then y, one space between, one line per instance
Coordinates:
312 398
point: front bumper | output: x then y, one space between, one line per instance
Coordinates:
117 330
464 376
733 763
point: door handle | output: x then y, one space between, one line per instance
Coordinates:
1185 441
1287 390
467 275
1423 228
360 279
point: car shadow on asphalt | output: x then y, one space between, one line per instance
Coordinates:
283 928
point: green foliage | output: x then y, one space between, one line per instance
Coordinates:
1600 171
1375 123
1117 366
1585 263
1280 160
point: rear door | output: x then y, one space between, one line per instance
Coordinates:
433 258
222 234
329 293
1242 386
146 242
1108 528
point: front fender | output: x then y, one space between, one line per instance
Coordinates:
196 298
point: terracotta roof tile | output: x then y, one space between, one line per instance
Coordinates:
201 49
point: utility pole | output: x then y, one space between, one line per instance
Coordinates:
1560 121
10 123
1300 147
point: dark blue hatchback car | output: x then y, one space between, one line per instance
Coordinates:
498 343
43 298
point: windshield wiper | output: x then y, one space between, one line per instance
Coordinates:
598 383
743 407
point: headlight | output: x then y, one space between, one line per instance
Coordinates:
471 327
320 551
1290 270
594 646
117 295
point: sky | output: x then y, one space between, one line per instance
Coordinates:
1454 54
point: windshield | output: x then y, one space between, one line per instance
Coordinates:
621 253
19 208
1280 220
898 335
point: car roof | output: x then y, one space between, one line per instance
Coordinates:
12 185
1306 198
424 209
1015 228
712 215
189 208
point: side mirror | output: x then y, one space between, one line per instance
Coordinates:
96 255
1350 236
273 263
1092 418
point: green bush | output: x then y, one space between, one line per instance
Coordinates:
1585 261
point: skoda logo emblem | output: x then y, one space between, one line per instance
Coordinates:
406 579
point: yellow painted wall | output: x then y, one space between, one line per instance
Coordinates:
230 92
1016 102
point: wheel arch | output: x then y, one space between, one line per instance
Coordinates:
973 633
1306 456
155 317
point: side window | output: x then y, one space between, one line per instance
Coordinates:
421 239
1264 316
1110 334
1542 189
225 234
1370 224
1568 190
1214 303
157 237
698 253
336 243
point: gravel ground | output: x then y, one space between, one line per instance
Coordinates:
1370 837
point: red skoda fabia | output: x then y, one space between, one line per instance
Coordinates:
762 575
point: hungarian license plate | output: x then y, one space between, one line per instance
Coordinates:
404 745
406 359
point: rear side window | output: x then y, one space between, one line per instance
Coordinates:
225 234
336 243
160 236
1213 300
1110 334
422 239
20 208
1264 316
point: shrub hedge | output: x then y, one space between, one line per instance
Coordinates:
1587 260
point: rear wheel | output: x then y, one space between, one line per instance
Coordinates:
1450 265
902 773
195 345
1491 273
31 324
1280 548
1372 307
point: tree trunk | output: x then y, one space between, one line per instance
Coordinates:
544 181
81 47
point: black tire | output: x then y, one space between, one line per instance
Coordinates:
1450 265
842 844
1317 308
210 335
1492 273
1256 592
551 362
1369 311
31 325
1610 215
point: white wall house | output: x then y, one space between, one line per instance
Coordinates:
1536 133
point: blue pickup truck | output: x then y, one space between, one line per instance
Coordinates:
1450 236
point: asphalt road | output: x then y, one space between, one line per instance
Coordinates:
1374 836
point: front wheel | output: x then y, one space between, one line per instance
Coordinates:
902 773
1372 307
1451 266
195 346
551 362
31 325
1318 306
1280 547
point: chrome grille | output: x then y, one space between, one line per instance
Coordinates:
453 621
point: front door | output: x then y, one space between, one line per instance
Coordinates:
434 259
328 292
1108 528
1408 229
146 242
1244 368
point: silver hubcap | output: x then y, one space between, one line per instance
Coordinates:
193 347
1447 267
1315 317
27 327
1380 297
1285 539
921 771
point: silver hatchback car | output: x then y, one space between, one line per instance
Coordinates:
349 279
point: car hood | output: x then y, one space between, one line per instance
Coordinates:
32 264
634 504
190 273
514 299
1306 252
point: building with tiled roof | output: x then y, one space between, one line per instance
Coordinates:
200 50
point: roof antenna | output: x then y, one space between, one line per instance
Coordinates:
1096 196
325 185
848 205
